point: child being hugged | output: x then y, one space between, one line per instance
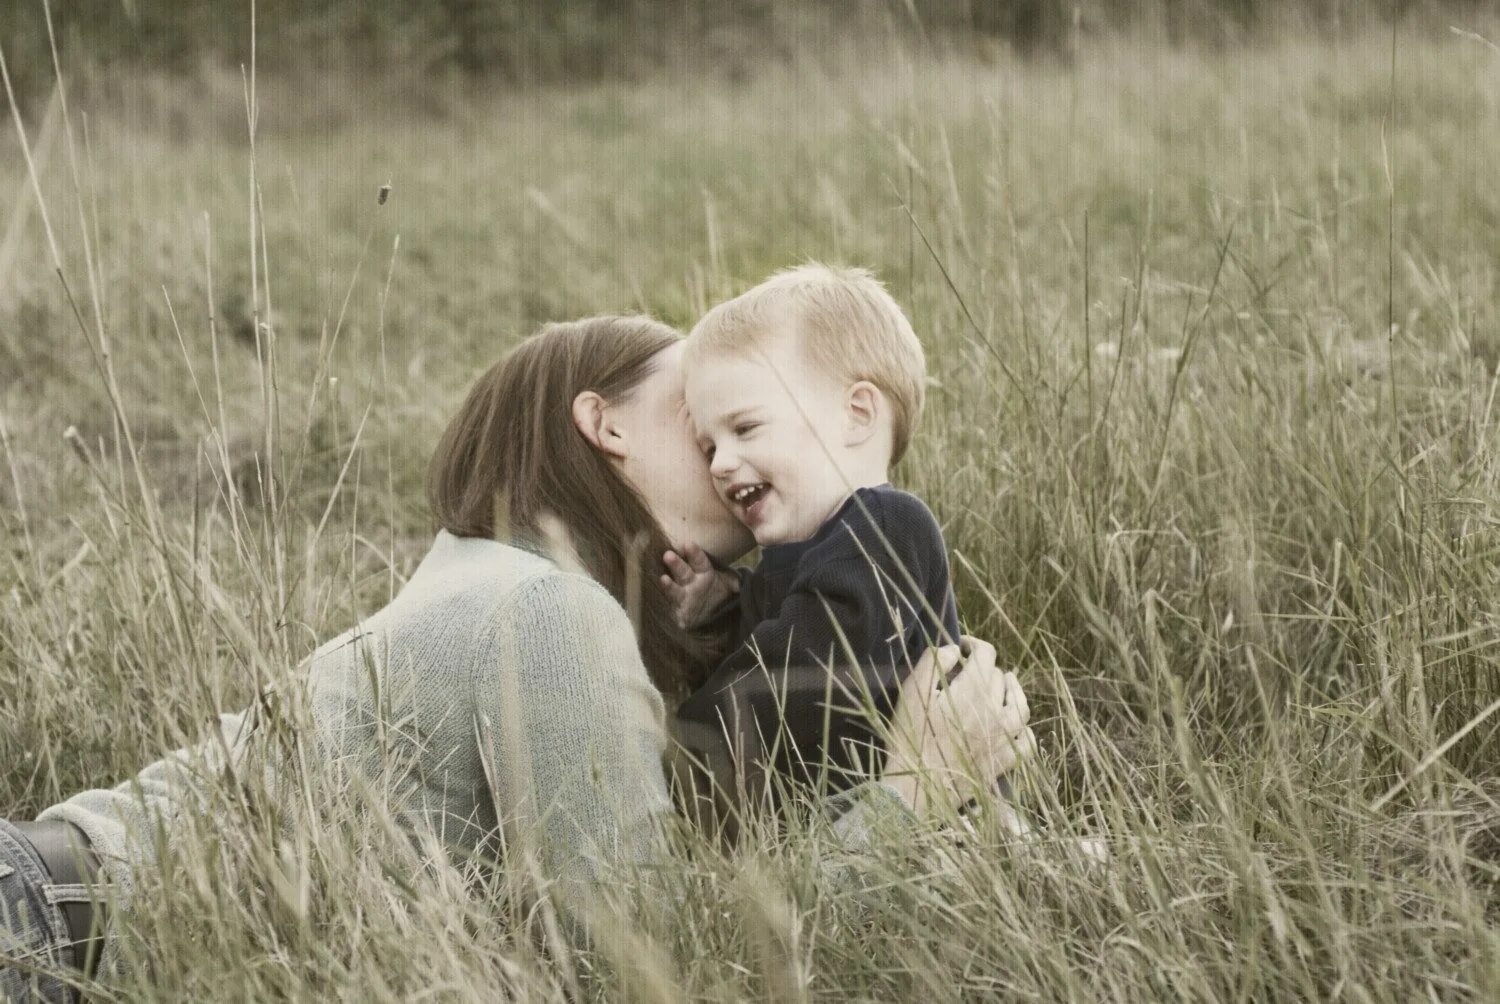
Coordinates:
804 391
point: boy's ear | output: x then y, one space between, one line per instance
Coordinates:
863 405
592 418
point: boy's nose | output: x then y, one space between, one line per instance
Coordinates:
723 463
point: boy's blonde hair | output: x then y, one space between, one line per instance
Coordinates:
845 323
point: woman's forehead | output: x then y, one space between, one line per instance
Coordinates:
667 376
661 392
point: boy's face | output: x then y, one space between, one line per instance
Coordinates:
772 429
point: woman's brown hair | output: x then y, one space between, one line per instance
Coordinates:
513 450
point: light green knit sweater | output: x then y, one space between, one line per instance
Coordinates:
513 693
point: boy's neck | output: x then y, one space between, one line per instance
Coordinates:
868 471
871 477
862 469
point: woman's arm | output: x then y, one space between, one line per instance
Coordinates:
572 733
959 724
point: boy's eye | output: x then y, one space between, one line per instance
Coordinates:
745 427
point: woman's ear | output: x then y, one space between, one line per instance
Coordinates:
591 416
863 405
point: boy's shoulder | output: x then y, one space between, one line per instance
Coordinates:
895 509
876 520
873 524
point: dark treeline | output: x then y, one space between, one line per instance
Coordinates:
560 40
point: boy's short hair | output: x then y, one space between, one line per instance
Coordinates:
844 320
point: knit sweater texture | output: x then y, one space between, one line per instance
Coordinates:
490 661
511 691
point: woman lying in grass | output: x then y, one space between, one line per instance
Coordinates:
506 686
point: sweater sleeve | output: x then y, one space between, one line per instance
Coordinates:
571 730
122 822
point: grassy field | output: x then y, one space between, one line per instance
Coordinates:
1212 431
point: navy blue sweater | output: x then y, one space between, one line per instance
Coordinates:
873 584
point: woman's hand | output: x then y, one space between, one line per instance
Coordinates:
953 734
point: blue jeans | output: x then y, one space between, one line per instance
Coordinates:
33 932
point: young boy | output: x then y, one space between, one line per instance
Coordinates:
804 392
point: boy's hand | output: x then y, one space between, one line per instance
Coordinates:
694 586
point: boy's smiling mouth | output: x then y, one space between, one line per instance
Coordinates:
747 499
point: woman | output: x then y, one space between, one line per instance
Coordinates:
530 708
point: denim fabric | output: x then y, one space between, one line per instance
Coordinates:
32 929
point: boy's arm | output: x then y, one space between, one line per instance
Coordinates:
859 593
855 610
700 592
792 668
832 609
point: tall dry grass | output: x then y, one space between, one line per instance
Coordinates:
1212 432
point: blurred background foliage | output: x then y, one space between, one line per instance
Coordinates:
547 41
